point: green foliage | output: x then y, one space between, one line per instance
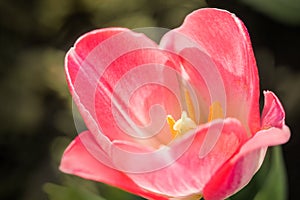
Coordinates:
275 184
57 192
270 181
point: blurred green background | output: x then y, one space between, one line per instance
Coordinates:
35 105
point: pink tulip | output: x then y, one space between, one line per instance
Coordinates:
178 120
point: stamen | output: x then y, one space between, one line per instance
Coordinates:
196 197
189 105
171 122
181 126
215 111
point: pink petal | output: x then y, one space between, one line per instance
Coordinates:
189 174
78 161
222 37
109 71
83 47
238 171
273 114
146 89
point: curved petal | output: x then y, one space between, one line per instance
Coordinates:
222 37
109 71
238 171
145 89
78 161
188 175
83 47
273 114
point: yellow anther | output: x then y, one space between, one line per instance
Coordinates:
189 104
171 123
215 111
196 197
192 197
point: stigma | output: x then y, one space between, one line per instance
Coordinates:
181 126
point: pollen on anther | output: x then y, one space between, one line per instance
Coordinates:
171 122
215 111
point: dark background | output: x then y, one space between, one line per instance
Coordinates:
36 120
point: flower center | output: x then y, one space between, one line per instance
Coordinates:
181 126
185 123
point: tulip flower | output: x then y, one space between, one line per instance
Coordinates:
174 120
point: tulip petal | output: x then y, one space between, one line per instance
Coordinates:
190 173
273 114
223 38
238 171
109 71
78 161
83 47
